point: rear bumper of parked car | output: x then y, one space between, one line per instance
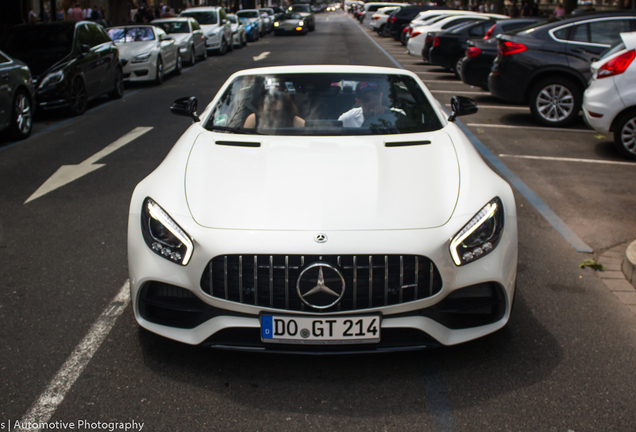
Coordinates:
601 104
504 87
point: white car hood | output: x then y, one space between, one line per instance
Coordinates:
129 50
330 183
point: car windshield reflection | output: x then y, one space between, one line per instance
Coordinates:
131 34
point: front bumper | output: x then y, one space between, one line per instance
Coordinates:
144 71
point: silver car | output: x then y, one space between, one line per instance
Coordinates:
254 16
188 35
16 97
215 26
239 34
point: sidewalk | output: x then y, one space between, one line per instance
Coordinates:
620 273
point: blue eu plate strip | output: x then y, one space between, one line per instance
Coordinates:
266 327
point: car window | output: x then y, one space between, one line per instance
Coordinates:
3 59
453 23
232 19
222 14
580 33
607 32
248 14
95 36
174 27
300 8
195 25
325 102
131 34
81 36
205 18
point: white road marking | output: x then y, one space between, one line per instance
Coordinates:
506 107
563 159
68 173
57 389
261 56
459 91
443 82
432 73
549 129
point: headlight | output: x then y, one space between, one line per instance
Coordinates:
141 58
52 78
480 235
301 23
163 235
276 24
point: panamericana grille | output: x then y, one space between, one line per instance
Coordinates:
370 280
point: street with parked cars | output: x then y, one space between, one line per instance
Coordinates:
232 229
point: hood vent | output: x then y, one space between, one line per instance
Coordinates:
406 143
238 143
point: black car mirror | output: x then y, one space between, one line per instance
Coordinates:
461 105
185 106
85 49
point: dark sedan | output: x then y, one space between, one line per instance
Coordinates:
290 23
71 62
449 46
16 97
548 66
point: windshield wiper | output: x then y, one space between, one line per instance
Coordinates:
235 130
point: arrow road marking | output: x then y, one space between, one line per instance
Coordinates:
68 173
261 56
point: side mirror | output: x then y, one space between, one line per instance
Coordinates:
85 49
165 38
185 106
461 105
223 21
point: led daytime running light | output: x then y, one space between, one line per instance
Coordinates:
484 214
157 213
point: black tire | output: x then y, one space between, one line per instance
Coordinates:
193 57
79 97
179 68
555 101
21 116
230 46
118 89
159 77
457 67
625 134
205 53
243 40
223 48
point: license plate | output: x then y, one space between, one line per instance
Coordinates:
320 330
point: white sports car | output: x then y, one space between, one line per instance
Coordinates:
323 209
146 52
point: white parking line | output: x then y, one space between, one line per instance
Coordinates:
459 91
562 159
549 129
54 394
432 73
444 82
505 107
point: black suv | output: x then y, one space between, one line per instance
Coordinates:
71 62
548 66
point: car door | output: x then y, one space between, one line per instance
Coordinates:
587 40
88 59
197 36
107 56
5 90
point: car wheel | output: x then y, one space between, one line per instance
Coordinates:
458 67
230 46
223 48
625 134
118 90
243 40
79 97
179 68
555 101
21 116
159 76
193 57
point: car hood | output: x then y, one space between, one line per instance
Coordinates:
128 50
330 183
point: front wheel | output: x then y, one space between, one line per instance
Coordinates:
79 97
625 134
118 89
159 73
555 101
223 48
193 57
22 116
458 67
179 67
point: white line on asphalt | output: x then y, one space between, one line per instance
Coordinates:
261 56
57 389
459 91
432 73
506 107
500 126
443 82
562 159
68 173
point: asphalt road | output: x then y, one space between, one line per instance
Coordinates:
564 363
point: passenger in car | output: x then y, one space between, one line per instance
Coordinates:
276 111
369 99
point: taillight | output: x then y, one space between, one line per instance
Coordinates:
489 32
394 19
415 34
510 48
472 52
617 65
374 18
404 30
436 41
429 39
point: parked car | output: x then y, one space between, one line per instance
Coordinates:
72 62
609 102
251 29
187 33
415 43
379 20
305 11
291 23
548 66
254 16
449 46
147 52
215 26
480 53
268 23
371 7
16 97
400 19
239 34
381 267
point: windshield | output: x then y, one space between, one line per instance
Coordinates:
39 46
323 104
292 16
248 14
131 34
174 27
204 18
300 8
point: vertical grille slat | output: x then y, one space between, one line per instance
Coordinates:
370 280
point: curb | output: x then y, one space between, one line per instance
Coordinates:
620 273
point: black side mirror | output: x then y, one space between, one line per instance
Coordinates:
85 49
461 105
185 106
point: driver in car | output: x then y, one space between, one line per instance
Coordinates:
369 99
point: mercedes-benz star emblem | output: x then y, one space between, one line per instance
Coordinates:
321 238
320 285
